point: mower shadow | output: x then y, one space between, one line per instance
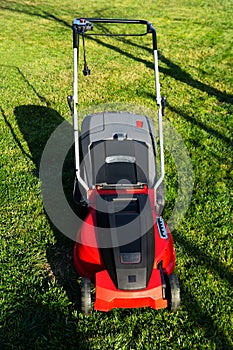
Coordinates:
37 124
176 72
36 325
189 118
31 10
211 131
203 318
173 70
203 258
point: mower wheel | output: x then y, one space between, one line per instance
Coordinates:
173 293
86 296
80 205
160 199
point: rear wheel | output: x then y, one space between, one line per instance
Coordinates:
86 296
79 203
160 199
173 292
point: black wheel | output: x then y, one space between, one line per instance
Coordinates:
81 207
172 292
86 296
160 199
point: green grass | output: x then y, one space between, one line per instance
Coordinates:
39 289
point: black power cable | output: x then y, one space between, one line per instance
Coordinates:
86 70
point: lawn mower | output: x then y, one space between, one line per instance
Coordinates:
124 247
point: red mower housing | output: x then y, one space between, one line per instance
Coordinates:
89 261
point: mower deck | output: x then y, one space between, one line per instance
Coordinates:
109 297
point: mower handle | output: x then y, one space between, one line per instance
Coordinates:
150 29
81 25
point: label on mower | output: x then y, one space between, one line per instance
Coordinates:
162 229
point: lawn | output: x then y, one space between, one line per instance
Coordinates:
39 300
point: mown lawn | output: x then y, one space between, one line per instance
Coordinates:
39 291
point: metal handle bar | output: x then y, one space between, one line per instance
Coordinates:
83 24
150 28
114 20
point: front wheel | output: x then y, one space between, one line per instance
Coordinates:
173 292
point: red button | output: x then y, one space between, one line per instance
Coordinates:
139 123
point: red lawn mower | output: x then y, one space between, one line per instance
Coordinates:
124 247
